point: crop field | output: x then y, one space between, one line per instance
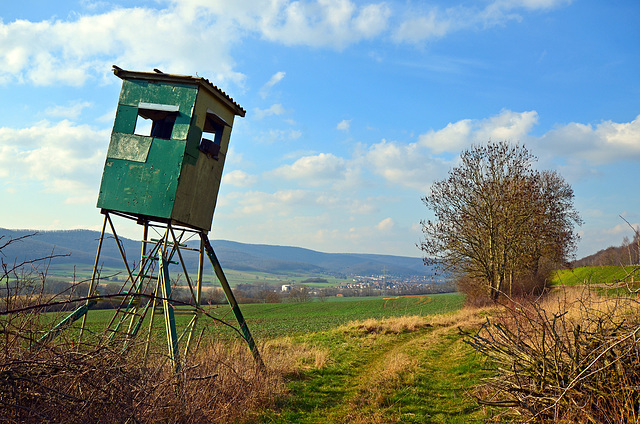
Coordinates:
366 360
269 320
593 275
67 272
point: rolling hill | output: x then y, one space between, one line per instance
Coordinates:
80 247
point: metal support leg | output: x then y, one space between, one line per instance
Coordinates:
92 285
232 300
169 318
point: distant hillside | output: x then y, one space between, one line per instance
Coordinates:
628 253
81 245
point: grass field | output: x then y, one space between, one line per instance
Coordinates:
403 369
365 360
374 360
278 319
593 275
269 320
68 272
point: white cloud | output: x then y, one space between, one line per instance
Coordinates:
386 224
280 203
507 125
452 138
416 165
344 125
422 27
71 111
362 207
607 142
304 217
72 51
274 135
404 165
80 48
314 170
275 109
276 78
419 26
530 4
573 145
372 20
239 178
323 23
58 156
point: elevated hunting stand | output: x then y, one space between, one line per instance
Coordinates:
163 171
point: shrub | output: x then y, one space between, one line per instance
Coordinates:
65 381
574 357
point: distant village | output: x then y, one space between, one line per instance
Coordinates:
310 289
360 286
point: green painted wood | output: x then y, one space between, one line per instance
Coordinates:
125 121
66 322
129 147
147 188
166 179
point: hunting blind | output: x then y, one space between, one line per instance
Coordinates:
163 170
167 149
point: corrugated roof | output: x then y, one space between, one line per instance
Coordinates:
186 79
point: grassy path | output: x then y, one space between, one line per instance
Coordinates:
419 376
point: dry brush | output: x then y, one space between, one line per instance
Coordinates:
574 357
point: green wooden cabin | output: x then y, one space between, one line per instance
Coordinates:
167 149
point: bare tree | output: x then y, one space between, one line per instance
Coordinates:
497 219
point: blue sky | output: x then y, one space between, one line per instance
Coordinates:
353 108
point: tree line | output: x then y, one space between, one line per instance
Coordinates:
628 253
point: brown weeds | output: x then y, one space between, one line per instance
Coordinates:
392 325
72 384
284 357
573 357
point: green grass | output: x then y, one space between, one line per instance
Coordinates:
68 272
592 275
423 376
276 319
268 320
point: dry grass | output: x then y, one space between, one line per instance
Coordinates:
284 357
467 317
69 384
580 302
388 375
393 325
573 356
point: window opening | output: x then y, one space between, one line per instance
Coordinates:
156 120
143 126
212 135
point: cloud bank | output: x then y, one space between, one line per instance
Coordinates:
82 47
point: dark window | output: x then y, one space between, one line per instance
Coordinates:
156 120
212 135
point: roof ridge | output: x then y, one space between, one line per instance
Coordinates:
159 75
